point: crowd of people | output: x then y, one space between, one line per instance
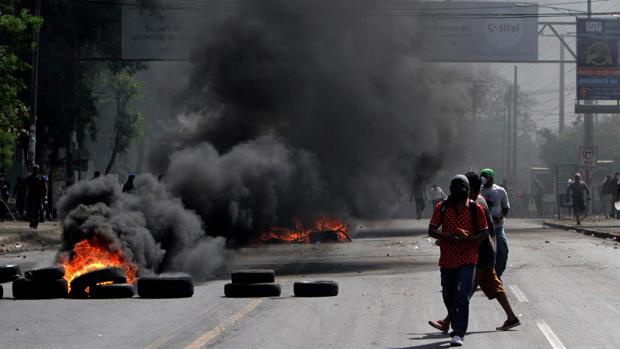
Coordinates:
31 195
31 198
468 225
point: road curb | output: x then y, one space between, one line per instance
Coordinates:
595 233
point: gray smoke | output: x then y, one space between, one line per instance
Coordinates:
293 113
151 226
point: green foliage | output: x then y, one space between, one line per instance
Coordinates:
564 148
124 89
19 29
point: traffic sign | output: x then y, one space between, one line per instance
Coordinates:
588 155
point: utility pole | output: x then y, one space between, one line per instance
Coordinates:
34 78
515 94
588 118
507 134
561 106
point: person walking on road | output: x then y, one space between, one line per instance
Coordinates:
129 187
418 193
19 192
607 196
578 191
436 195
486 277
497 200
36 191
458 224
5 193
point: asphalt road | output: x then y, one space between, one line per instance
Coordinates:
563 285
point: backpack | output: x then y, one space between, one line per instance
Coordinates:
472 211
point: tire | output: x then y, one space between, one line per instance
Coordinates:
30 289
252 290
82 282
315 289
9 273
1 291
253 276
112 291
46 274
162 286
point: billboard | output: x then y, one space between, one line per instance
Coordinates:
479 31
157 33
598 67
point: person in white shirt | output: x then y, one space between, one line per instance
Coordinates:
497 200
436 195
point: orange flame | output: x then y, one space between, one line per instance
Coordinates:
94 254
332 227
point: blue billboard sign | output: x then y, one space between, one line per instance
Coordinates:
598 67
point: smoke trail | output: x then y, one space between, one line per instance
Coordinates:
151 226
293 114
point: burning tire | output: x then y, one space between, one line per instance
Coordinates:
88 280
30 289
253 276
315 289
252 290
112 291
9 273
46 274
178 286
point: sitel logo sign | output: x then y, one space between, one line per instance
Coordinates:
503 33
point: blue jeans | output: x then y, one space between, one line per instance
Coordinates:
456 287
502 251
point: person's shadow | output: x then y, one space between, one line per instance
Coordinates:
444 343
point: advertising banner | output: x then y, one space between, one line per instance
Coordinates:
598 68
480 31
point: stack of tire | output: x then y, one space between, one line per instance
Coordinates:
8 273
252 283
44 283
166 286
102 284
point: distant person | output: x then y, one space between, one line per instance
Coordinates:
578 191
607 196
45 207
96 174
36 191
128 187
497 200
5 193
418 193
436 195
614 187
486 277
458 224
19 193
539 194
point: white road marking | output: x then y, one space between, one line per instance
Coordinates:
518 293
550 335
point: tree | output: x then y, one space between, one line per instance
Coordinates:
564 148
18 30
124 89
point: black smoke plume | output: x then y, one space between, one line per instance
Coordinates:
291 112
150 226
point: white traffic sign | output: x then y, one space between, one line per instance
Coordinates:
588 155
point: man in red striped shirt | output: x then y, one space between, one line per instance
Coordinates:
459 224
